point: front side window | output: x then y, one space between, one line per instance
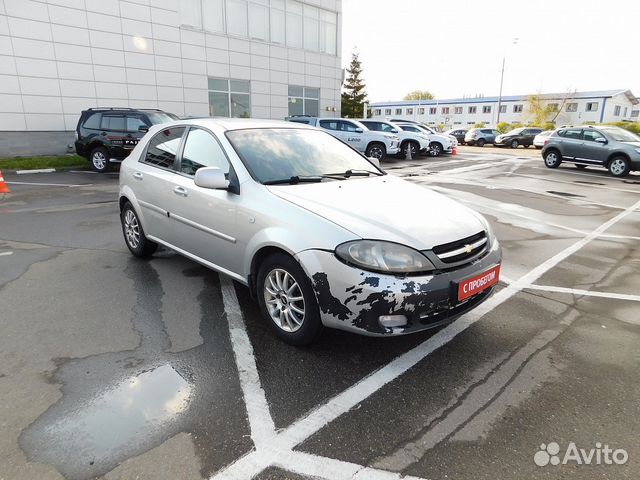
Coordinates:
591 135
229 98
348 127
163 147
201 149
304 101
133 123
276 154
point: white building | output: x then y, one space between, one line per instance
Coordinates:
257 58
573 108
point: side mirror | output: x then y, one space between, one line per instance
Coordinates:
359 130
375 161
211 177
143 128
601 140
394 131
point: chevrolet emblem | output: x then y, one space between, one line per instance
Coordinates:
468 248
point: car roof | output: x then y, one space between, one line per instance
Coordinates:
239 123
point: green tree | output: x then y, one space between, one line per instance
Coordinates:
480 125
503 127
353 95
419 95
539 111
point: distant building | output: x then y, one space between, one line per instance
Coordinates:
256 58
573 108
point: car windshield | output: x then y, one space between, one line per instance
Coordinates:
621 135
278 154
160 117
515 131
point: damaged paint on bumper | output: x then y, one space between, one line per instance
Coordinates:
353 299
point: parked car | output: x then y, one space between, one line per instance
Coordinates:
416 142
438 142
516 137
311 226
458 134
105 136
480 136
372 144
613 148
538 140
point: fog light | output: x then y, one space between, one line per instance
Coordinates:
393 320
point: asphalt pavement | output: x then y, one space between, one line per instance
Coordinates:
117 368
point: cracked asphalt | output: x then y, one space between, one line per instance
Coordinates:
116 368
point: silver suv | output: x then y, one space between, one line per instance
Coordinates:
373 144
481 136
613 148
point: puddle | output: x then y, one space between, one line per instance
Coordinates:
564 194
584 182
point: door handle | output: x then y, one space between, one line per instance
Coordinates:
138 175
180 191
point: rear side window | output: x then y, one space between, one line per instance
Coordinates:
113 122
163 147
93 121
201 149
329 124
575 133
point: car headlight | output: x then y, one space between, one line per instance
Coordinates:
381 256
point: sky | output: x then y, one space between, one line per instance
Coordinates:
455 49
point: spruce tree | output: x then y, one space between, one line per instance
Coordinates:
353 95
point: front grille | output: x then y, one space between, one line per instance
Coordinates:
461 250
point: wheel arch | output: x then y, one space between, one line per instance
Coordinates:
614 155
260 256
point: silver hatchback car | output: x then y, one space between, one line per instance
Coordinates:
320 235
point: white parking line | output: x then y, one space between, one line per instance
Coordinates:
556 180
5 254
49 184
278 448
38 170
586 293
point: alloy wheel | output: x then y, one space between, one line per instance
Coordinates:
284 300
132 229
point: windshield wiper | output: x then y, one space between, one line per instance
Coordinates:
352 173
295 180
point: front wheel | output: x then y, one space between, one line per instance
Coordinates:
619 167
552 159
480 142
137 242
287 301
376 150
99 159
435 149
514 144
411 147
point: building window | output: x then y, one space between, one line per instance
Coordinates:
470 123
517 108
486 109
553 107
432 111
457 123
445 110
409 111
572 107
635 113
503 109
377 112
387 111
304 101
258 20
398 111
458 111
592 107
616 111
473 109
421 111
229 98
625 111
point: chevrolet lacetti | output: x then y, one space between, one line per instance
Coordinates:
319 233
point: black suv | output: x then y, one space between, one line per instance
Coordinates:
107 135
517 137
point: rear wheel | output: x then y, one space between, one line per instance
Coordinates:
552 159
619 166
481 142
376 150
137 242
99 159
287 301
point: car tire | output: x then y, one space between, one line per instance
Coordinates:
376 150
552 159
580 166
480 142
619 166
137 242
415 149
514 144
279 274
435 149
99 159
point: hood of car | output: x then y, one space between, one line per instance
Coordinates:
385 208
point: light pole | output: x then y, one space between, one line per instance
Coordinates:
504 56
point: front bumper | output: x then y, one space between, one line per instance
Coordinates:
393 148
353 299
